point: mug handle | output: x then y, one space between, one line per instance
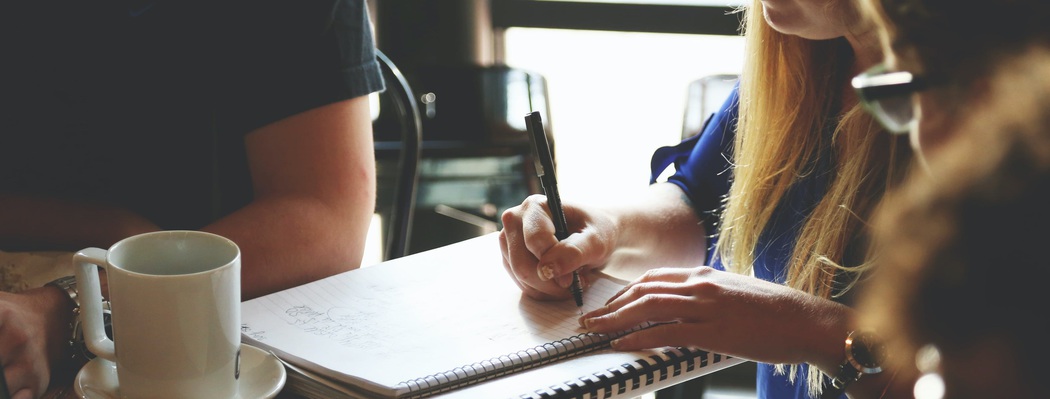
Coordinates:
85 266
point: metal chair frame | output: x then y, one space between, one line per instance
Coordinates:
407 110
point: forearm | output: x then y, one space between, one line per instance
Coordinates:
33 223
288 241
660 230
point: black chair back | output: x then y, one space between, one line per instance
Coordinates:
398 111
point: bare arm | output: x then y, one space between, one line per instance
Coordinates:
314 180
661 230
34 223
314 177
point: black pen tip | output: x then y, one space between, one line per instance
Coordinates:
577 289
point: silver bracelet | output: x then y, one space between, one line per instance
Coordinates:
79 351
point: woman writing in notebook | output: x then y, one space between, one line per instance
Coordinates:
807 165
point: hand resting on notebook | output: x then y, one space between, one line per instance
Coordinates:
708 308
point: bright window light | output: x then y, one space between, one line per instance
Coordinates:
616 97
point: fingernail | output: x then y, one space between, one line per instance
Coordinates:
546 272
586 322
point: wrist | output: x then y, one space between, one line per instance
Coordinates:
828 356
54 313
64 314
826 336
864 355
73 351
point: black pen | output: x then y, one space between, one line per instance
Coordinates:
545 171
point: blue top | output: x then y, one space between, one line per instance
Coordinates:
703 170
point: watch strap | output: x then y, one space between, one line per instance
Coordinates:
67 284
75 342
847 375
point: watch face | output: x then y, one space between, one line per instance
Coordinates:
866 352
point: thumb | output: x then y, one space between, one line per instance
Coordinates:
571 254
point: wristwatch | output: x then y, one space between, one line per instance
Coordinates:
77 349
864 355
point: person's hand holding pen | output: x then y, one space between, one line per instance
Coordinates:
550 218
542 265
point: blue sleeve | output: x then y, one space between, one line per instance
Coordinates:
702 162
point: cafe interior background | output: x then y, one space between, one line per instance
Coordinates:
613 79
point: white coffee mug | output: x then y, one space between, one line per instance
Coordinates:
175 311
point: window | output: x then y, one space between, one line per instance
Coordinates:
615 97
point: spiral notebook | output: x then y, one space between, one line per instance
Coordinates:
450 322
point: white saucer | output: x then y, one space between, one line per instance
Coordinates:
262 377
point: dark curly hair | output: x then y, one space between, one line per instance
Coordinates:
962 249
960 41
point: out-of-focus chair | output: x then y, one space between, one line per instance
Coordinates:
705 95
703 98
398 131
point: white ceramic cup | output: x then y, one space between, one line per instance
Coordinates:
176 315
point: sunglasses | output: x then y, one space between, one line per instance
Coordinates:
887 95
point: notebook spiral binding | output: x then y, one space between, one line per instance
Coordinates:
510 363
629 376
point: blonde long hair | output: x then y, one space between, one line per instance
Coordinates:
789 88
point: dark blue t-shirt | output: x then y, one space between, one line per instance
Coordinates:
144 105
703 170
